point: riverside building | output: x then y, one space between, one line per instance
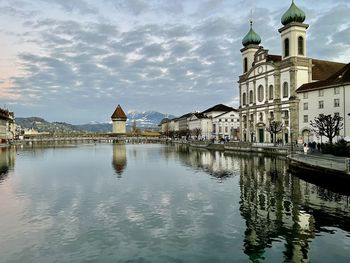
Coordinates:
269 84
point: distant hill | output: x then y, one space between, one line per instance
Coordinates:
148 120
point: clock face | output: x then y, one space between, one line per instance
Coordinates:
260 69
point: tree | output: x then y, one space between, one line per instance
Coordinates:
196 132
274 128
327 125
135 131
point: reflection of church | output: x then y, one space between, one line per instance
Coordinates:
279 206
119 158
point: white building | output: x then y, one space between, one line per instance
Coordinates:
268 84
330 96
226 125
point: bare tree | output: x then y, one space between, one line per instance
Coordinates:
327 125
274 128
196 132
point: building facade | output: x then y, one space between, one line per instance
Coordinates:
331 96
7 125
269 83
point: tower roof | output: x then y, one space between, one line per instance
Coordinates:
251 38
119 114
293 14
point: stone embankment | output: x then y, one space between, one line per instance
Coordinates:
315 164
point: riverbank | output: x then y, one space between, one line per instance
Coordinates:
316 165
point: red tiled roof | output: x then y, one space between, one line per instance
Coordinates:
341 77
119 113
322 69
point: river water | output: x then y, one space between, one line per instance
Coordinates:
157 203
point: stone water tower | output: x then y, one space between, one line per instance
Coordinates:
119 121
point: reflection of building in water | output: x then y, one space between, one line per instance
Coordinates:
215 163
119 158
7 161
277 205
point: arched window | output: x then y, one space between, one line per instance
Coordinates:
251 98
300 45
271 92
244 99
245 64
286 47
260 93
285 90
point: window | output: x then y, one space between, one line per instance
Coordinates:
251 98
305 95
336 102
245 64
300 45
336 90
251 117
271 92
336 114
286 47
286 114
285 90
272 115
244 99
260 93
220 129
320 104
306 106
261 117
306 118
321 93
226 129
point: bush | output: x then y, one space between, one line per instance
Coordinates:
327 148
341 148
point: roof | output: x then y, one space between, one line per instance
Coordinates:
223 113
341 77
322 69
186 115
119 113
293 14
219 107
273 58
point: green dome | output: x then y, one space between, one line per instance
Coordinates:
251 38
293 14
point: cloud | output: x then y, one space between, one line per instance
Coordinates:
146 54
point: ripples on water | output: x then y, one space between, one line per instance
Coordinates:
153 203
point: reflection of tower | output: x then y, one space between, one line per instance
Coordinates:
7 161
119 158
119 121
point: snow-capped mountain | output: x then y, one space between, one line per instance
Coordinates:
147 119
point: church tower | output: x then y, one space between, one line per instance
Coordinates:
293 32
251 44
119 121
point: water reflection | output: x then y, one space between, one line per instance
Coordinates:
7 161
215 163
276 206
119 158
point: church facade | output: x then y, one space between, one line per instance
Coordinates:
269 83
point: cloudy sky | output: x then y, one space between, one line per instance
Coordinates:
75 60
